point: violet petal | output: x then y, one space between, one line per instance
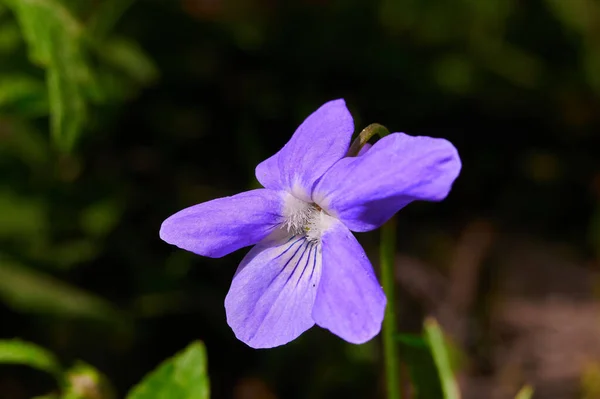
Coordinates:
221 226
350 302
272 294
364 192
320 141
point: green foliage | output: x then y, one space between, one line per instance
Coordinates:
54 38
23 94
525 393
35 292
66 49
184 376
431 361
421 368
20 352
441 357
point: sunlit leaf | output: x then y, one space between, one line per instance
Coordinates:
15 351
436 341
421 367
525 393
183 376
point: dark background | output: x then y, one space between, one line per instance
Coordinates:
508 263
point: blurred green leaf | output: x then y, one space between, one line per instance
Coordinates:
31 291
16 351
419 359
21 217
525 393
73 252
23 142
10 37
590 381
454 73
54 39
24 94
100 218
128 56
435 339
421 367
86 382
184 376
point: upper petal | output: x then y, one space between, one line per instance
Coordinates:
320 141
272 294
366 191
350 302
221 226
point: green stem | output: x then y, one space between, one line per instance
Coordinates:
387 254
365 136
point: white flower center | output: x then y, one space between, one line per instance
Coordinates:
305 218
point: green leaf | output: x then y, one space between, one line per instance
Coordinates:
129 58
421 367
525 393
31 291
435 339
23 94
21 217
54 39
101 217
10 37
184 376
16 351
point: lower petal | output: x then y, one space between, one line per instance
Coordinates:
273 292
350 302
221 226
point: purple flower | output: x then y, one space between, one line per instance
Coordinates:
307 268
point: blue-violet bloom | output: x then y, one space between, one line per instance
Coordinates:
307 268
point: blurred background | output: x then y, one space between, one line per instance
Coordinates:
114 114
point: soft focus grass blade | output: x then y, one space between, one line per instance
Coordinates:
20 352
183 376
437 344
30 291
421 367
525 393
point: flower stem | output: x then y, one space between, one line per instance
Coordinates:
387 254
365 135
